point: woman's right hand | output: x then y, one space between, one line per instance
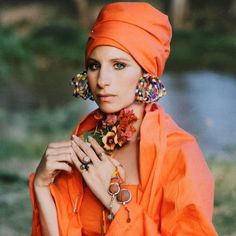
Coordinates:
57 157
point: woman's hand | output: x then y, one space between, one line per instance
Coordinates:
99 171
56 158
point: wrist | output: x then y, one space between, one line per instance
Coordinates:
115 208
112 206
41 184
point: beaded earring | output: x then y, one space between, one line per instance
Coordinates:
149 89
81 87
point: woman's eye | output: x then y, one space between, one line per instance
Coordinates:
119 66
93 66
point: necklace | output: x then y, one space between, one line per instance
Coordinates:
113 130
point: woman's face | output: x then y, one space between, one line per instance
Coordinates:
113 76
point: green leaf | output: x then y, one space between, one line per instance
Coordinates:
86 134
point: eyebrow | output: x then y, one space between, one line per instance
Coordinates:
112 59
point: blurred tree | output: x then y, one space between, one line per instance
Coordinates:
178 12
233 8
82 7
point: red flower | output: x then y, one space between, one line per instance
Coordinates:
111 119
126 116
129 131
120 140
98 115
114 130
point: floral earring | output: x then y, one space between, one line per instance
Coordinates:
149 89
81 87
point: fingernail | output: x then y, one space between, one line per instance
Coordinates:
75 137
90 138
89 144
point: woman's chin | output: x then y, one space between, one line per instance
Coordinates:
109 109
113 107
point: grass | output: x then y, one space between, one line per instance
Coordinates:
225 196
25 134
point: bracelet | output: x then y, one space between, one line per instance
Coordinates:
123 196
113 190
111 214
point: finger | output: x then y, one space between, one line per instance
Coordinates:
88 151
59 144
97 148
77 163
79 153
66 157
115 162
62 166
59 150
76 160
85 146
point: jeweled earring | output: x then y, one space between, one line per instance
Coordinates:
81 87
149 89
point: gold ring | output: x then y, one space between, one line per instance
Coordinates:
101 154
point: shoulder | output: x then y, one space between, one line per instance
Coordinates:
88 122
183 154
185 160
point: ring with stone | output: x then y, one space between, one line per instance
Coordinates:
84 167
86 160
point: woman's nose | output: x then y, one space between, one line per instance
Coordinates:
104 78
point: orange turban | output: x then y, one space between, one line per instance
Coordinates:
136 28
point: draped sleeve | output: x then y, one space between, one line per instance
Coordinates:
185 199
67 193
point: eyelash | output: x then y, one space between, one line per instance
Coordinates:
94 66
123 65
91 66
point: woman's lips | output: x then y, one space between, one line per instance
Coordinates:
105 97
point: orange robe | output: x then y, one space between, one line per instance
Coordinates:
174 197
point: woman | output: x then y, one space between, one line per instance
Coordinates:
128 169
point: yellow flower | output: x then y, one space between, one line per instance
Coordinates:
109 141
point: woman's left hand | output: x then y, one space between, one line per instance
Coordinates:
99 171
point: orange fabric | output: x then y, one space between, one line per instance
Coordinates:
136 28
91 211
175 196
